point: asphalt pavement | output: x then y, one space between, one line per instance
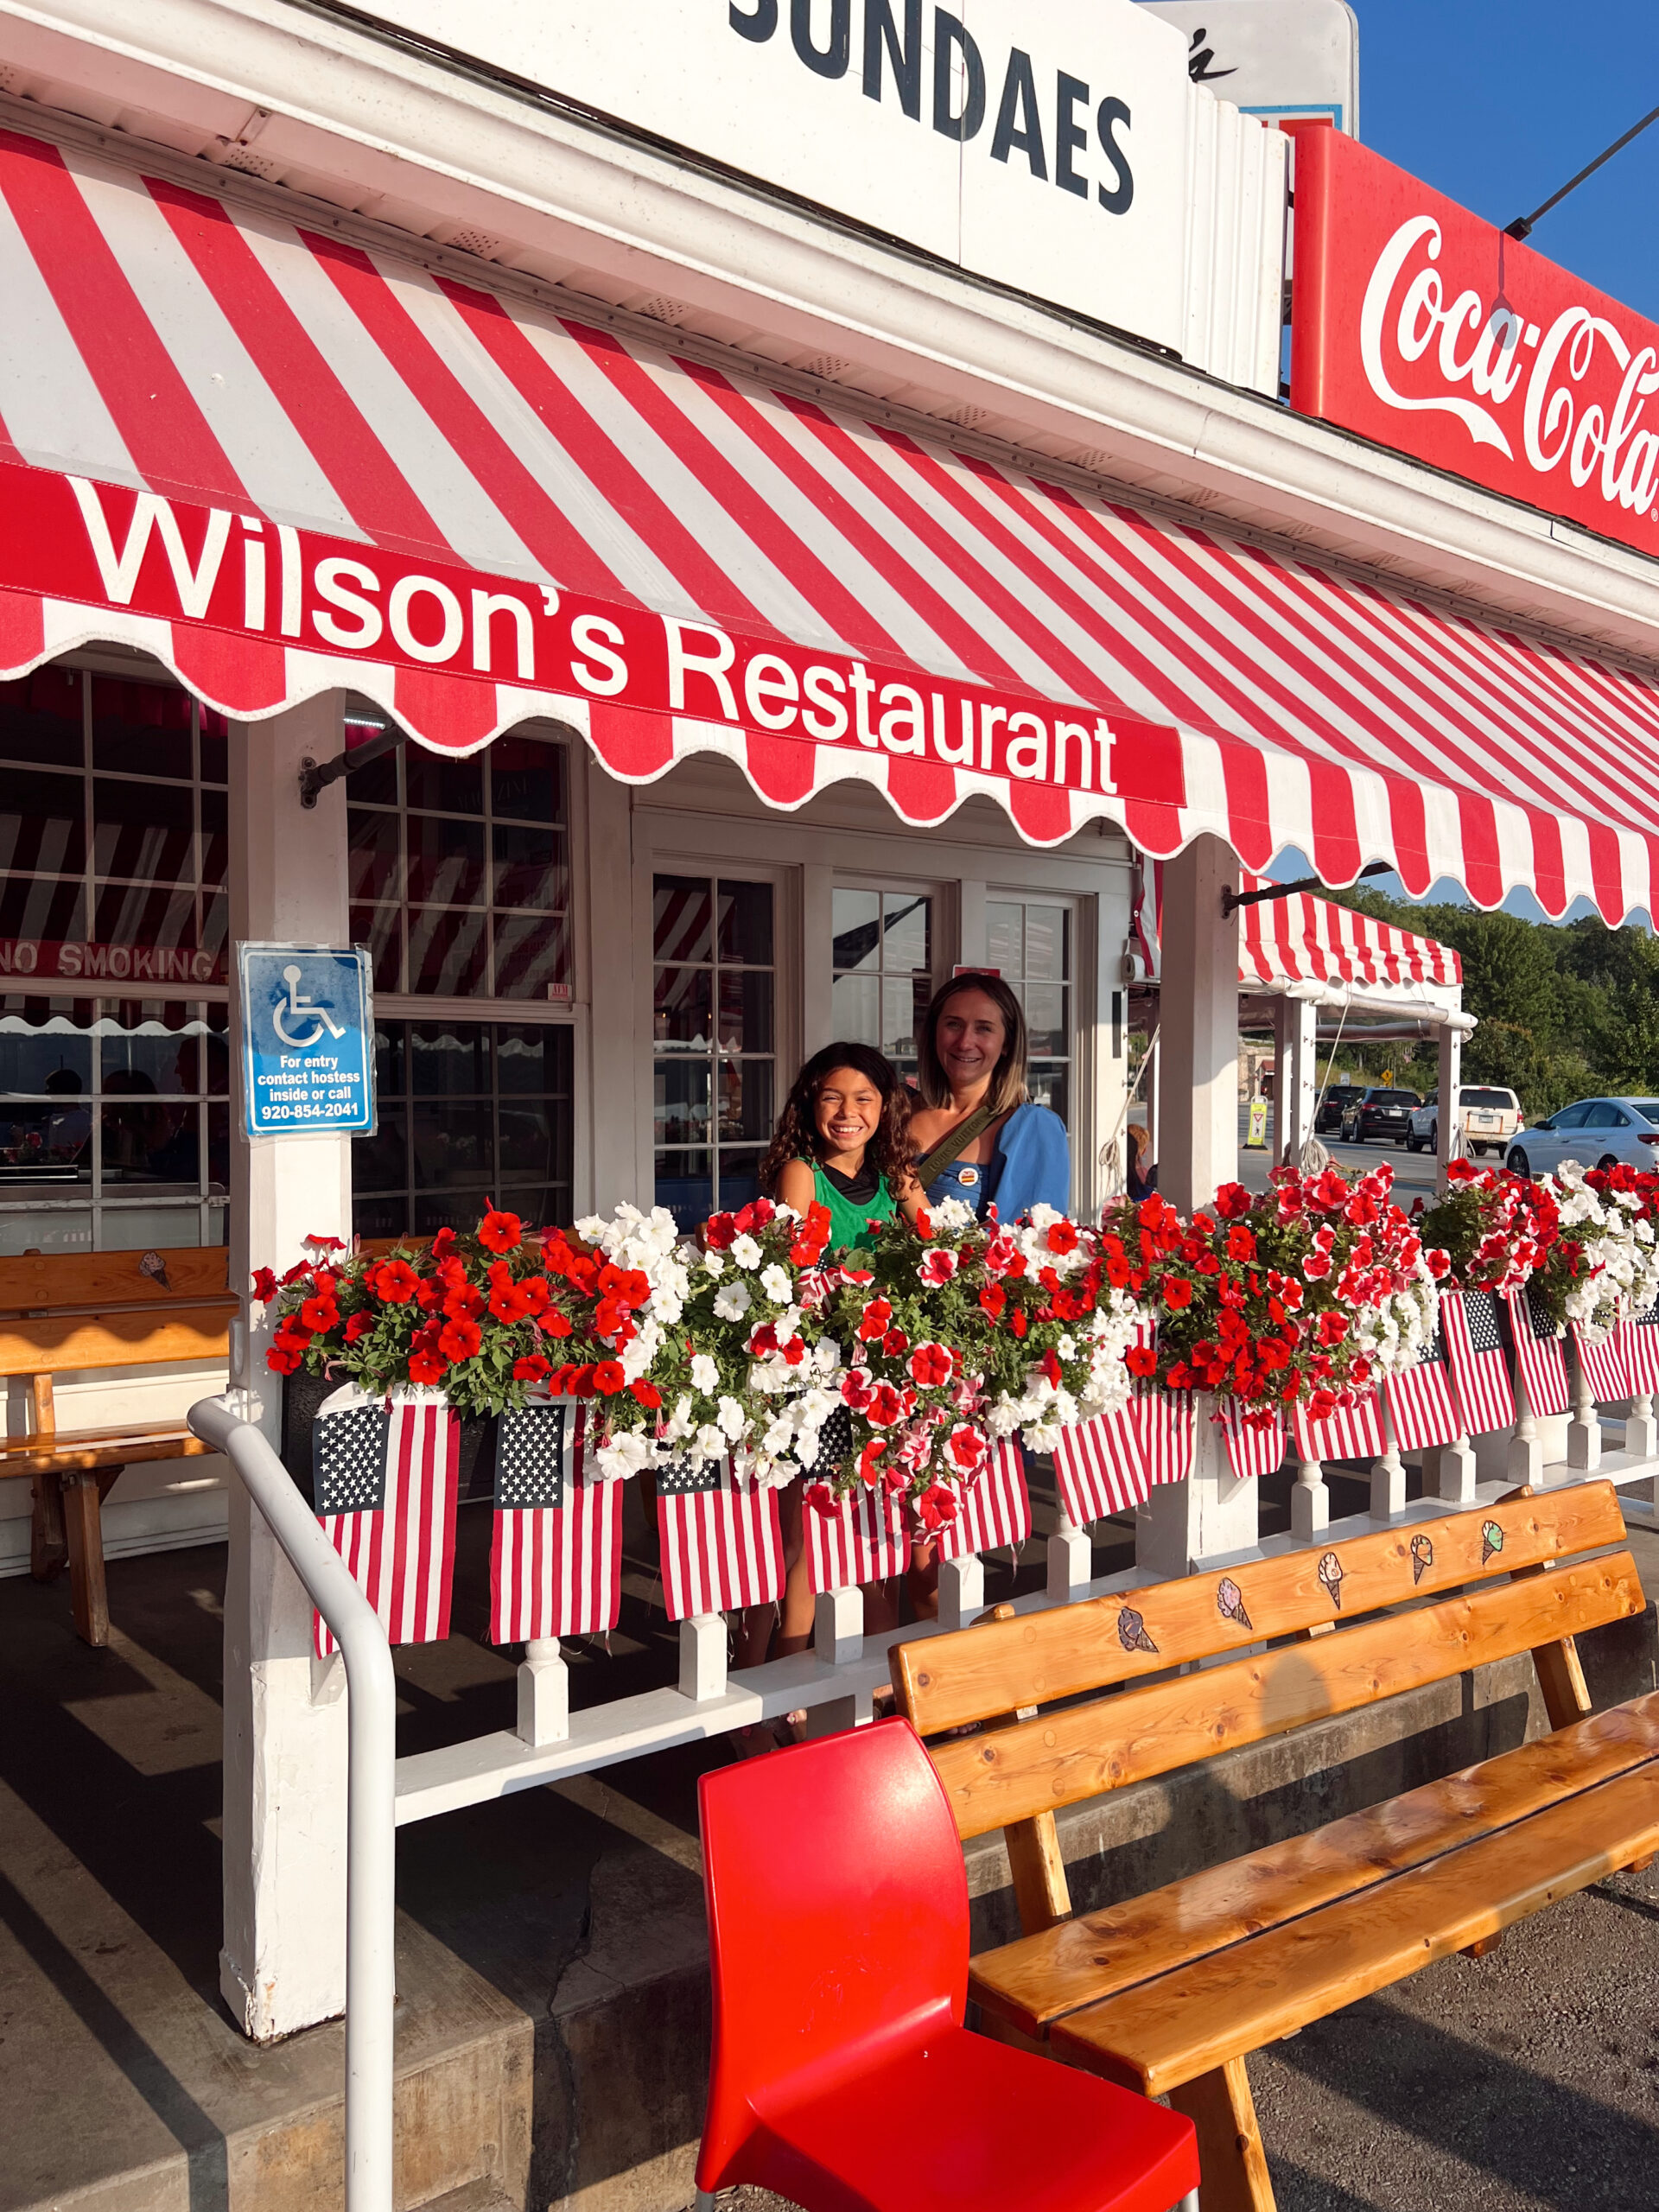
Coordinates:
1413 1172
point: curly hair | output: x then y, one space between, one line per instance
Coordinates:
796 1135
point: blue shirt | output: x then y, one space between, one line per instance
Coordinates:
1030 1167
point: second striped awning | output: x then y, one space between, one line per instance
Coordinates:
283 457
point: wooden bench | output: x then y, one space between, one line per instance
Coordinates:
1168 1992
59 1312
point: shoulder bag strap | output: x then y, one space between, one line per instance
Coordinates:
950 1147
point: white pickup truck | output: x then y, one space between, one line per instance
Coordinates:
1490 1119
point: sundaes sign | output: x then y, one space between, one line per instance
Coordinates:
1419 325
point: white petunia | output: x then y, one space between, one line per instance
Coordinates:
775 1282
710 1442
625 1453
732 1418
714 1263
732 1301
705 1374
746 1253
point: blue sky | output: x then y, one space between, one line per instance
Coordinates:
1496 106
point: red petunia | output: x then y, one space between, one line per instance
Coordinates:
324 1243
885 1406
608 1377
966 1447
500 1232
394 1282
459 1338
283 1359
358 1326
1232 1202
876 1320
647 1393
532 1369
1141 1359
931 1365
321 1313
264 1285
1178 1293
937 1507
992 1299
1240 1243
444 1243
923 1225
938 1267
1062 1236
895 1343
426 1366
557 1324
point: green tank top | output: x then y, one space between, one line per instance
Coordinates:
848 1219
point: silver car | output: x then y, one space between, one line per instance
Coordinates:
1596 1131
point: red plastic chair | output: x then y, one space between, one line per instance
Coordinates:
842 2075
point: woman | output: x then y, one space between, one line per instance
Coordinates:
976 1136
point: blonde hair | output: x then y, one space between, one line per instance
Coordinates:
1007 1088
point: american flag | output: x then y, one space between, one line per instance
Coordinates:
556 1551
1606 1364
383 1484
1166 1425
1098 1468
1642 1347
722 1544
996 1507
1539 1353
861 1539
1474 1348
1420 1403
1351 1432
1253 1448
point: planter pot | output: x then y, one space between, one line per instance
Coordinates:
303 1395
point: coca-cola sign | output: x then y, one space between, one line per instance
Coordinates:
1419 325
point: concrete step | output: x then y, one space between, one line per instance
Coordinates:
484 2196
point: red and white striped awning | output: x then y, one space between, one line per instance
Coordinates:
281 461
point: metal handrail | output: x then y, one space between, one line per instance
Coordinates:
371 1801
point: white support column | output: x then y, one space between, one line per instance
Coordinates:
1387 1472
1071 1561
1310 1502
1524 1453
1452 1471
838 1626
543 1693
1640 1430
702 1657
284 1963
1450 1087
962 1591
1584 1430
1296 1079
1182 1524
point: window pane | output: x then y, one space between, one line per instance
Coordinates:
855 1007
219 1151
682 1006
149 921
45 1047
446 861
899 1017
380 1162
746 1098
746 922
856 922
66 1229
142 1228
1046 944
42 909
533 1057
447 786
42 822
746 1011
215 838
449 1060
1045 1026
45 1144
531 951
682 918
141 728
149 1139
538 1205
535 1141
527 778
739 1177
375 783
373 854
1004 937
1050 1086
681 1106
215 933
446 952
906 933
685 1186
380 929
151 1045
144 830
530 868
377 1216
453 1144
211 737
40 718
391 1060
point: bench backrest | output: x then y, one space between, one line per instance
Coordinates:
63 1311
1472 1584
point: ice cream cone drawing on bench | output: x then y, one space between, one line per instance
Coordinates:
1422 1557
1132 1631
1491 1540
1329 1573
1230 1601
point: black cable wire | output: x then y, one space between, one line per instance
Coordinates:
1522 226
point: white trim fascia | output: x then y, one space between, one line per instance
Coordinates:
398 139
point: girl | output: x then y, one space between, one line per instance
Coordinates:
842 1140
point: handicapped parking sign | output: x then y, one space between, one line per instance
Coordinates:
308 1026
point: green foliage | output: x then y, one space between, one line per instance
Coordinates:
1564 1010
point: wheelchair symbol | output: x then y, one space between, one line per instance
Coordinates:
294 1008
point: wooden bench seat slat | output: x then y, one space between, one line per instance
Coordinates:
1041 1978
1059 1758
1162 2033
138 1338
948 1681
84 1454
118 1278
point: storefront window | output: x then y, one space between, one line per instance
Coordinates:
468 1110
114 1112
1028 942
713 1040
461 869
883 955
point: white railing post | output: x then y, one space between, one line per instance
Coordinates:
702 1657
1387 1472
543 1693
1452 1471
1584 1430
371 1790
838 1625
1524 1461
1310 1502
1071 1561
962 1591
1640 1430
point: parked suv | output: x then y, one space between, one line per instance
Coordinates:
1334 1104
1491 1120
1378 1113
